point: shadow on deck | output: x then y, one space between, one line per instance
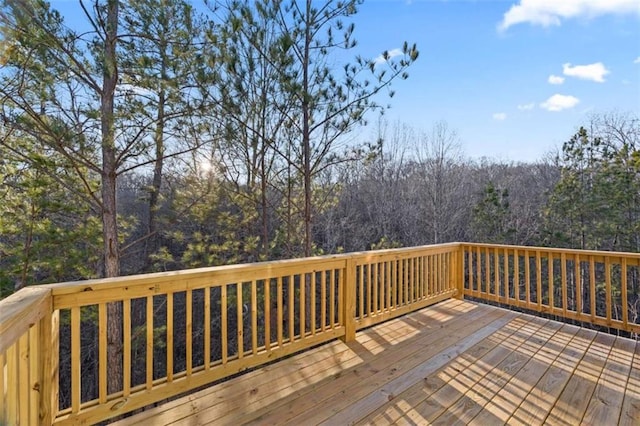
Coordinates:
456 362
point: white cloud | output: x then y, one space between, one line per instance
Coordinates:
390 54
552 12
500 116
555 79
593 72
559 102
637 61
527 107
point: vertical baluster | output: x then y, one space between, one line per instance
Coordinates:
224 335
398 277
102 353
342 295
387 283
472 285
312 314
279 325
332 298
592 289
189 330
550 283
496 275
439 282
516 275
487 273
254 317
267 314
369 302
239 320
425 282
412 279
527 277
405 266
422 294
53 370
207 328
623 292
75 359
427 279
376 286
433 274
416 279
169 337
475 287
539 279
578 276
607 278
302 303
323 300
564 283
505 265
149 350
292 297
361 292
126 347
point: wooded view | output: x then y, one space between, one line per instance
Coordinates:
165 138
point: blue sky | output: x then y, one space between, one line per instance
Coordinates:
514 78
486 67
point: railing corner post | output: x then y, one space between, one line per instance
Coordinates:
47 370
349 300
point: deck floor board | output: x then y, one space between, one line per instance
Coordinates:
452 363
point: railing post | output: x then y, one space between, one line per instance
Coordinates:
349 300
48 368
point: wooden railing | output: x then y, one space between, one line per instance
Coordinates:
26 348
181 330
177 331
595 287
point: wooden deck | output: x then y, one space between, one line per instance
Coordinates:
453 363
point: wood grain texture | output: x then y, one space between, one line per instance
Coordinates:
453 363
20 311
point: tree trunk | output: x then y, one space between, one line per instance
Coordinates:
306 137
306 148
151 245
264 205
109 206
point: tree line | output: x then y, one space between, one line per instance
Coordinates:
160 138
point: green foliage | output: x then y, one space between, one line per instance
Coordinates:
491 216
385 243
214 227
596 204
45 234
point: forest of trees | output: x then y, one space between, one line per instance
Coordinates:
161 138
